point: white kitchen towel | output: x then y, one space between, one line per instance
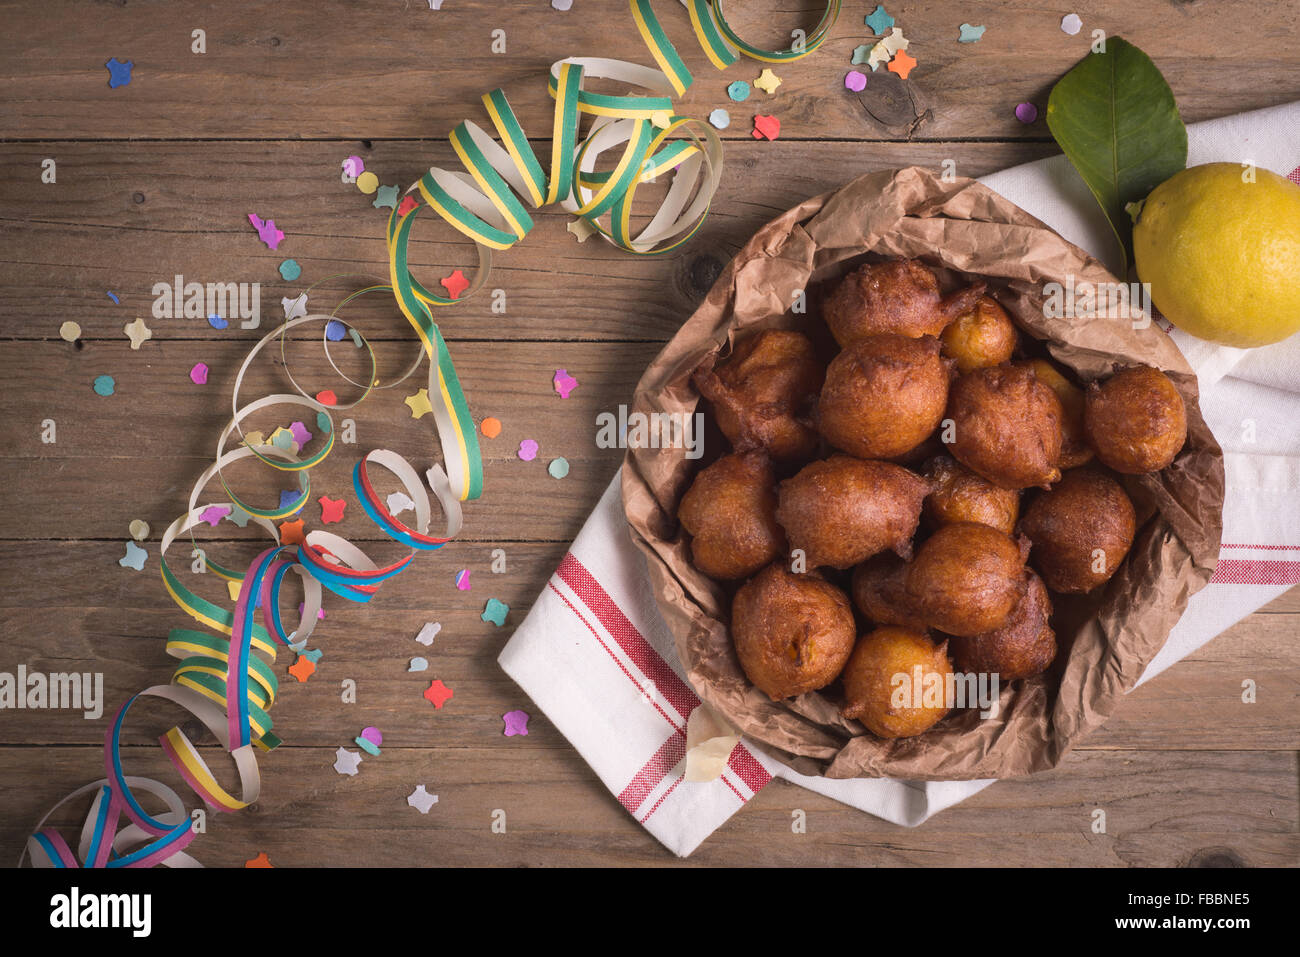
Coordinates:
595 655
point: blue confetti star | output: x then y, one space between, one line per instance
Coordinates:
970 34
289 497
495 612
134 557
879 21
119 73
385 196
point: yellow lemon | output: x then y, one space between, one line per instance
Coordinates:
1222 253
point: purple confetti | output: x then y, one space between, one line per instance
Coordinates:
1026 112
199 374
300 434
528 450
855 80
516 723
462 579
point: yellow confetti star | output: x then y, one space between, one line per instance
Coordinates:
581 228
254 438
137 332
419 403
767 81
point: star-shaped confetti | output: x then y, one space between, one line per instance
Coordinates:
119 73
581 229
407 204
266 230
878 20
495 611
455 284
766 127
969 34
260 861
399 502
199 373
213 514
516 723
240 517
767 81
860 54
887 47
564 383
419 404
293 308
314 655
288 496
385 196
438 693
428 633
302 668
291 533
134 557
282 438
420 799
346 761
138 333
299 433
901 64
331 509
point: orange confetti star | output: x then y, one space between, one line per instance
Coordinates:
260 861
455 284
291 533
331 509
303 668
901 64
438 693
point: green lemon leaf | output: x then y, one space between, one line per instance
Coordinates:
1115 117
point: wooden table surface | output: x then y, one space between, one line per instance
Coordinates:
155 179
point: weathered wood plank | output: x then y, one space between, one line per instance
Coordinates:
304 69
1161 809
115 206
136 453
71 608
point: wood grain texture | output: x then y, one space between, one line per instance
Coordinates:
156 178
305 69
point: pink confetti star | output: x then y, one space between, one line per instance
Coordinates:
564 383
438 693
516 723
266 230
213 514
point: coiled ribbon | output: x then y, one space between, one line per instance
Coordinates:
225 679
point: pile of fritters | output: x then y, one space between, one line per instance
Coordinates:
946 480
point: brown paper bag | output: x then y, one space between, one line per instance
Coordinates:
961 229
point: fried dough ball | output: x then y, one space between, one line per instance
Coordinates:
730 511
1080 530
876 698
959 495
793 633
1006 426
982 336
899 296
764 392
1136 421
883 395
842 510
1021 648
967 578
880 591
1075 450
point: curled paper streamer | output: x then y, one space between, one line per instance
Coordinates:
225 679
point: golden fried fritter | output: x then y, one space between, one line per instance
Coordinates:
1136 420
883 395
880 687
793 633
1080 529
880 591
1006 426
1021 648
982 336
843 510
764 392
959 495
967 578
730 512
898 296
1075 450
